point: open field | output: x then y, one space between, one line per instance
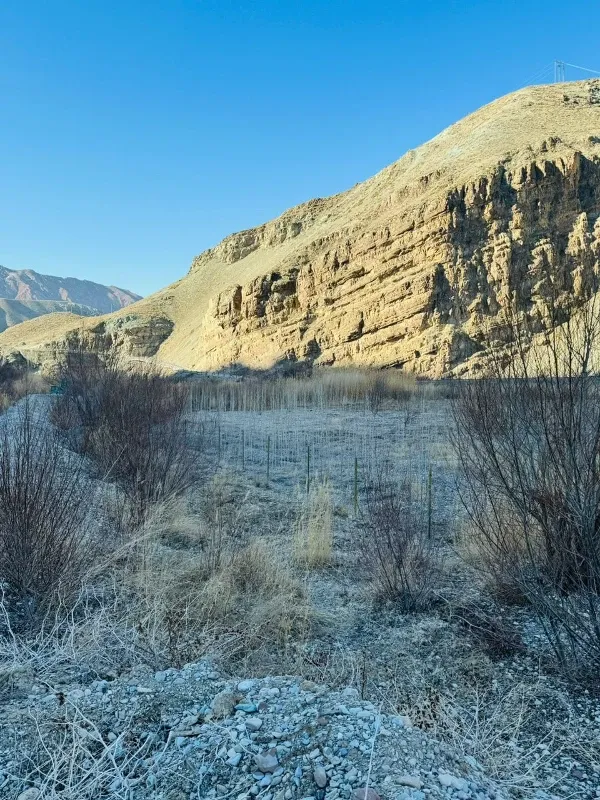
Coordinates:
345 446
267 555
482 690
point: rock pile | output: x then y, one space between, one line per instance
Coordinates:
189 733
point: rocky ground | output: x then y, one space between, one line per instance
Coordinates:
488 692
190 733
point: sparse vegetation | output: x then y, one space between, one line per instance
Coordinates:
397 544
324 388
131 423
528 440
18 380
44 501
314 526
243 567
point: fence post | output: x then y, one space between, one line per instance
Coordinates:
429 501
268 457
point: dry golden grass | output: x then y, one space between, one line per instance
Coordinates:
238 604
499 559
313 539
257 595
327 387
17 389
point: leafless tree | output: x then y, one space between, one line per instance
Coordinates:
45 544
527 436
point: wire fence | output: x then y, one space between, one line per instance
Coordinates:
347 448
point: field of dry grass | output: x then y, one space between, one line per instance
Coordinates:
269 562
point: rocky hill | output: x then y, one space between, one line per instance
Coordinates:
25 294
409 268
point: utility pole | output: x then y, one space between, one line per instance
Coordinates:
559 70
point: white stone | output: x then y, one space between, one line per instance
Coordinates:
410 780
447 779
266 762
320 777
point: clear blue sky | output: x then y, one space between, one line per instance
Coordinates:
136 133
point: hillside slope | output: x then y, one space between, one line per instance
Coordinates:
14 312
408 269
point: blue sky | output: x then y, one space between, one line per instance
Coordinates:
135 134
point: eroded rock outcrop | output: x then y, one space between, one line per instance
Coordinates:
132 336
420 293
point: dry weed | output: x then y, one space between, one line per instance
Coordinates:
75 760
257 600
397 546
313 540
14 386
325 388
497 561
216 598
498 729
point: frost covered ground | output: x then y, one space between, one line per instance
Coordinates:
404 705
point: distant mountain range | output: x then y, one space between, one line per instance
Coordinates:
25 294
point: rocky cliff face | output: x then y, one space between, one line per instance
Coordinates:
413 267
420 292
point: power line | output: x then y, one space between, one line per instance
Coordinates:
585 69
560 72
541 74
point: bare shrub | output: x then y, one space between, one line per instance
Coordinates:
396 544
528 441
497 638
141 440
132 423
44 501
313 539
88 371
